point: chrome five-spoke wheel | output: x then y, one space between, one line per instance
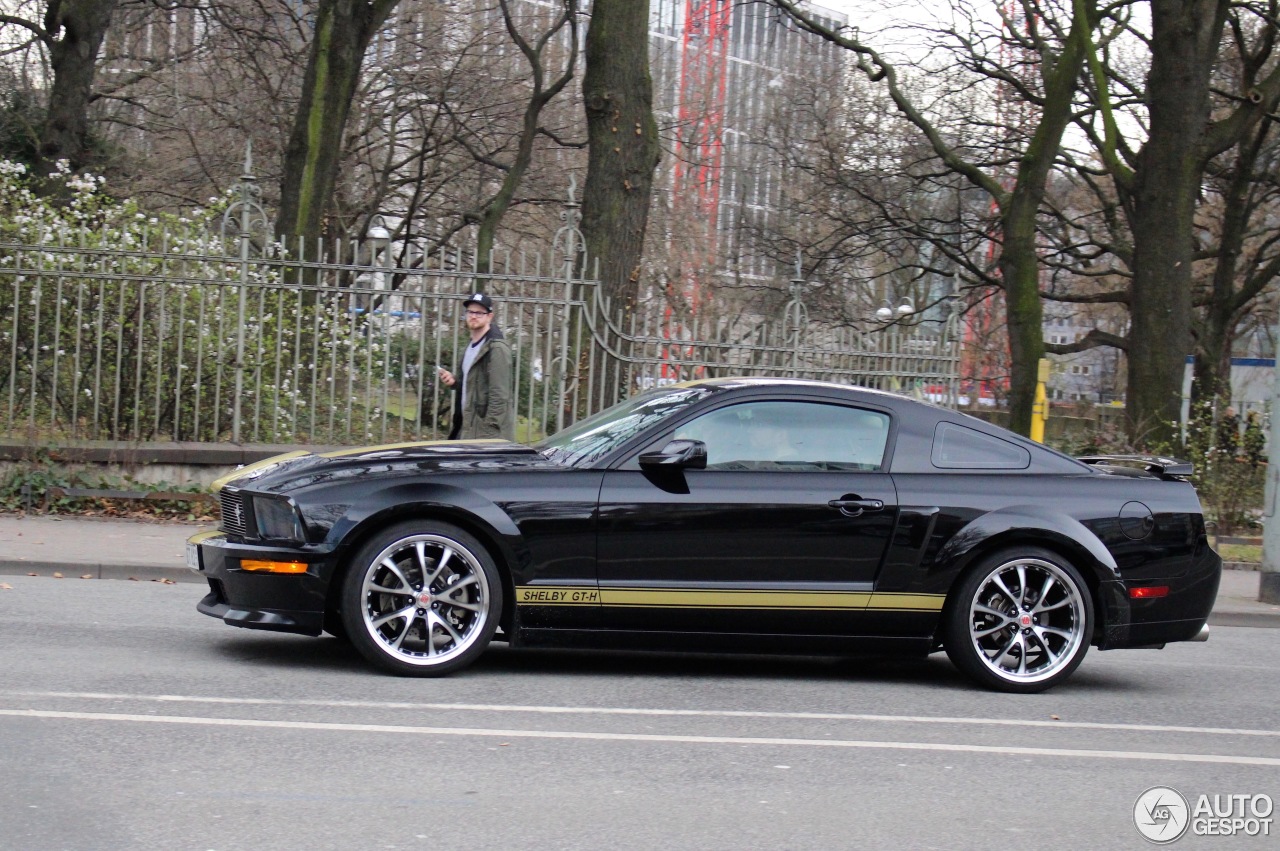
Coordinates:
1021 622
422 599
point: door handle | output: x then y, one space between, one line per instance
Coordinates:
855 507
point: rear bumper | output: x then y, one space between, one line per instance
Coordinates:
1180 615
253 600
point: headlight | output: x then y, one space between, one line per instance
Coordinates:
277 519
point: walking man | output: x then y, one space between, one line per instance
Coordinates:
482 385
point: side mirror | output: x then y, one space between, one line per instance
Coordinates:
677 455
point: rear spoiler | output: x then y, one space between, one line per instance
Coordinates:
1166 468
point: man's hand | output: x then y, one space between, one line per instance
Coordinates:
446 377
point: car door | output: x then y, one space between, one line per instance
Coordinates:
783 532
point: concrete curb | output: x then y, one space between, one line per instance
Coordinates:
1261 620
80 570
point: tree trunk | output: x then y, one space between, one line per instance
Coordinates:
1184 46
1020 272
496 209
343 30
1019 258
623 138
73 58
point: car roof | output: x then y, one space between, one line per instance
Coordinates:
916 421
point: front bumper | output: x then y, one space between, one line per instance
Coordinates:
254 600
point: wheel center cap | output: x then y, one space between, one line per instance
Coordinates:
424 598
1025 619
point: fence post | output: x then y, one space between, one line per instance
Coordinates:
247 207
795 317
568 238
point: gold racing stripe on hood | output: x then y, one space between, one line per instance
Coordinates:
208 534
386 447
254 468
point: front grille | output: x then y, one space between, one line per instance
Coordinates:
233 512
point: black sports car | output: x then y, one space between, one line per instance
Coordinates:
735 514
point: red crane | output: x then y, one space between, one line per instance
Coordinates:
695 206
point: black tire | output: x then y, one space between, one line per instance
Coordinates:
422 599
1020 621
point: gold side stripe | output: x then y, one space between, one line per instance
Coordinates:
697 598
201 537
753 599
907 602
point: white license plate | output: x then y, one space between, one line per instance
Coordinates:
193 556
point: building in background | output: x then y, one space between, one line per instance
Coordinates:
722 72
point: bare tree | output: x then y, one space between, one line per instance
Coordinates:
1047 46
536 51
1198 121
71 32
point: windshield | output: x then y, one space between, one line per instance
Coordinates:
598 435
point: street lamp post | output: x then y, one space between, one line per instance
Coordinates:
905 308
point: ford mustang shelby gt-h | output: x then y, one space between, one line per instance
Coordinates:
754 515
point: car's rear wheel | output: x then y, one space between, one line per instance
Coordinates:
422 599
1021 621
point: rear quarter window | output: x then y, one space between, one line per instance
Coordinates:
957 447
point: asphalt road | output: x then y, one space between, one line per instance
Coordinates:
130 721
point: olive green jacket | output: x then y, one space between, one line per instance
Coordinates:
490 410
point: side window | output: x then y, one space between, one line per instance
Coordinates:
795 436
956 447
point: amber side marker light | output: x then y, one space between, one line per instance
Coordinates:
273 566
1149 592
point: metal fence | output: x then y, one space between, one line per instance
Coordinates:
172 339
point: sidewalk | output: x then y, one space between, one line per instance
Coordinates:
107 548
95 547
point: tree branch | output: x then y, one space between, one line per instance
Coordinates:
876 68
1094 339
39 31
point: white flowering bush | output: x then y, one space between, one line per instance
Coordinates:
117 323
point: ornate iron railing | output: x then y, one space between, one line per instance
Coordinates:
169 338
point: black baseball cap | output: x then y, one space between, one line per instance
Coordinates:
480 299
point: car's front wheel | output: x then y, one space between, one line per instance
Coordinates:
1021 621
422 599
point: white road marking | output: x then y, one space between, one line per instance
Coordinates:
640 737
615 710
